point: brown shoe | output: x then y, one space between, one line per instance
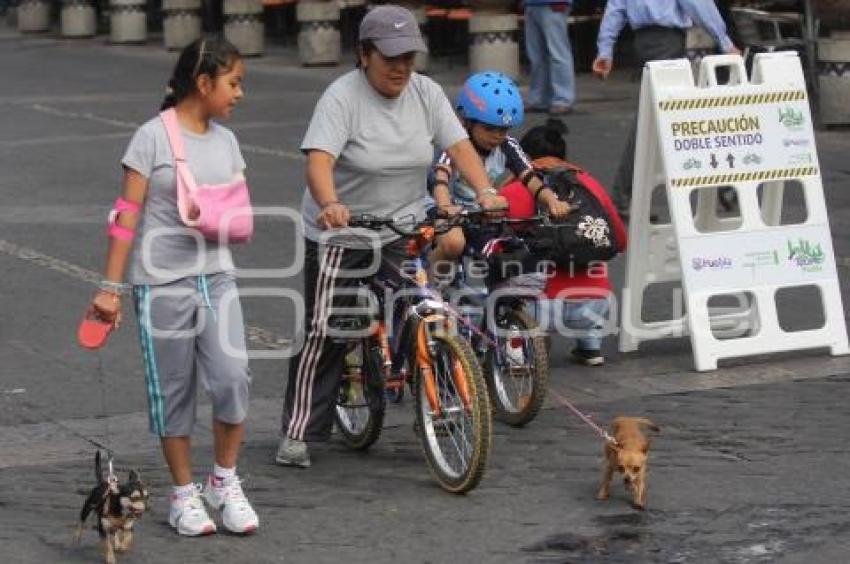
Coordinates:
560 110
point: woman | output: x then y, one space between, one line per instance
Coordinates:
369 146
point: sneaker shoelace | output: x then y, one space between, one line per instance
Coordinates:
233 494
193 507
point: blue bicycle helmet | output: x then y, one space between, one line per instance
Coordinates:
491 98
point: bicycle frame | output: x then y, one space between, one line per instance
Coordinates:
413 320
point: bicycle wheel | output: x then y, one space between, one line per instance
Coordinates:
517 375
456 437
360 407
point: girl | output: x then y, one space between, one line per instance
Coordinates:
190 319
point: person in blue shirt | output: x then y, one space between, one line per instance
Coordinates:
660 28
547 45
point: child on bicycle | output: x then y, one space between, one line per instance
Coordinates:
489 105
577 298
189 315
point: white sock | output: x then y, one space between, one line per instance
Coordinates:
222 475
180 492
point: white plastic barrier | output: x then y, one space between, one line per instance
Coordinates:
493 43
243 26
77 19
128 21
33 16
750 136
181 23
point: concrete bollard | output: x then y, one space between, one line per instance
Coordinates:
318 35
33 16
77 19
243 26
181 23
12 17
128 21
493 43
834 78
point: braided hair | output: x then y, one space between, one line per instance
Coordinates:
209 56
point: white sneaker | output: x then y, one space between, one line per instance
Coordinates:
237 515
189 516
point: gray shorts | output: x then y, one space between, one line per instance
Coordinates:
192 329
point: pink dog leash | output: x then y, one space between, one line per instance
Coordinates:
599 430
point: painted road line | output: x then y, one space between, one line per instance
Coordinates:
256 335
63 140
50 110
131 125
68 440
91 215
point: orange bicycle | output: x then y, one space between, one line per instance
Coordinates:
423 351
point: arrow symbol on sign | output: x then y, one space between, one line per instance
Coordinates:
731 159
713 162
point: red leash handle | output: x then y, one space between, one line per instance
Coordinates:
93 330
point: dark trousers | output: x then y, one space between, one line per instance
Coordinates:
652 43
315 372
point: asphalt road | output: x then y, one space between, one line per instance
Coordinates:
749 467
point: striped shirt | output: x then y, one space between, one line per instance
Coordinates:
504 159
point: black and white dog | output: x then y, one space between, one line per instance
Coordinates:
117 507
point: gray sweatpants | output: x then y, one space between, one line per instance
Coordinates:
192 329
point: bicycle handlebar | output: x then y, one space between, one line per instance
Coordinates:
375 222
467 216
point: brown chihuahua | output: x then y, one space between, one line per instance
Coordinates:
628 457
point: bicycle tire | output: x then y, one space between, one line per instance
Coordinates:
369 401
522 410
468 475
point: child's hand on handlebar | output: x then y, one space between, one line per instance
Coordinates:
493 202
333 215
557 208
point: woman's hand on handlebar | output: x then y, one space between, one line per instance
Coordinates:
448 211
333 215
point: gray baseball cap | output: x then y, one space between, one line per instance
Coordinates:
393 30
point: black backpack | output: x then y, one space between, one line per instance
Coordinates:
585 236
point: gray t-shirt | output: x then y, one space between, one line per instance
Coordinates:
383 148
164 249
